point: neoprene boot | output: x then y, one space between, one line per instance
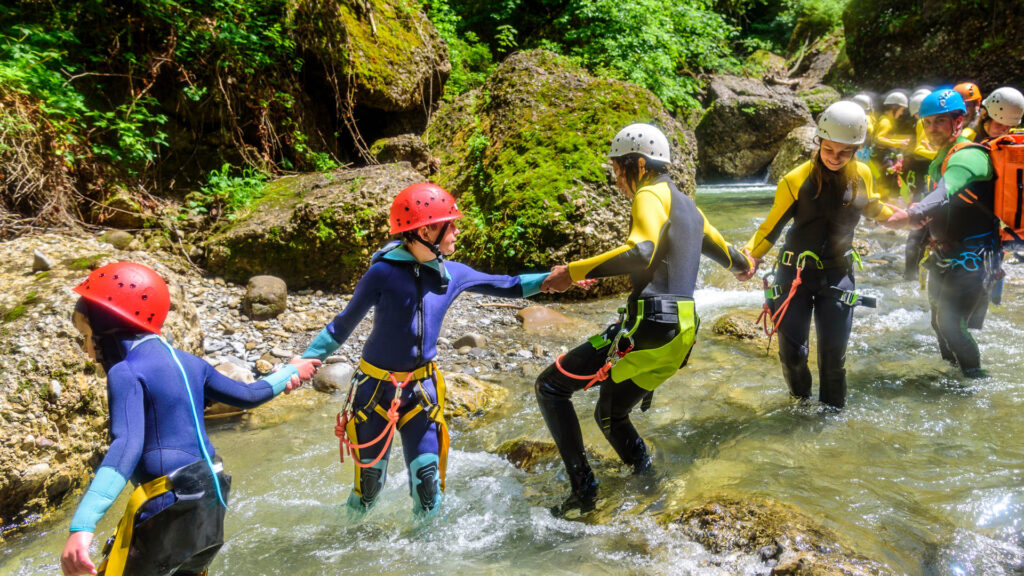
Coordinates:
798 378
584 494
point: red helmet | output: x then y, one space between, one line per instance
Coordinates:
134 292
969 91
421 204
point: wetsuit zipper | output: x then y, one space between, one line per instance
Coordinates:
419 314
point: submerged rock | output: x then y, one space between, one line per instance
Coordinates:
781 535
738 325
527 454
467 397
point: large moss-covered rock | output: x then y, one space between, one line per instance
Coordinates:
744 126
312 230
819 97
907 43
53 401
796 149
526 156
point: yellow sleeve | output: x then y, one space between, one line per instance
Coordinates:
782 211
969 133
715 247
650 215
875 208
883 131
923 148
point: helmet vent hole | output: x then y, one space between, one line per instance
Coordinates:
132 286
120 284
145 296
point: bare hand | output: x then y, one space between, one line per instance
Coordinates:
899 218
75 558
754 263
586 284
307 368
557 281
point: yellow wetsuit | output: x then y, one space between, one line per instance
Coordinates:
884 135
922 147
662 253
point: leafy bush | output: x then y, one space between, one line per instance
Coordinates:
226 194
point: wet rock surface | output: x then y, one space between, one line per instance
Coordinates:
527 454
796 149
790 542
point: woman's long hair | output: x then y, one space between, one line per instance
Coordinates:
835 182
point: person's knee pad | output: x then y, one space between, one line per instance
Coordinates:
425 483
371 482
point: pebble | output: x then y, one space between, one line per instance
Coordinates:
55 389
465 350
264 367
538 351
472 340
278 352
40 263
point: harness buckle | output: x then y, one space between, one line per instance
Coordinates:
787 258
772 292
849 297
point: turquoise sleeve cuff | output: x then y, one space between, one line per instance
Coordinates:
101 494
322 346
531 283
278 380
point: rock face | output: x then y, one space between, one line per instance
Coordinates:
823 61
912 43
405 148
526 156
265 297
53 401
312 230
792 543
745 125
796 149
819 97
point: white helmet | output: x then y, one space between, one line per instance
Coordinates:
844 122
864 100
642 139
896 99
915 101
1005 105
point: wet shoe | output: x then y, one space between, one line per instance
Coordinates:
584 504
975 373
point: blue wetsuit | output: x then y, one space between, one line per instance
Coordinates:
409 307
152 426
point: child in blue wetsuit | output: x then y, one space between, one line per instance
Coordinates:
174 523
398 388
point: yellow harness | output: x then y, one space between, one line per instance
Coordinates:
117 558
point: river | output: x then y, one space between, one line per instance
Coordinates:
922 472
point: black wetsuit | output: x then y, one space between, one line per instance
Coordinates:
823 224
661 256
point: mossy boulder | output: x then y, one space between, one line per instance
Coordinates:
823 61
467 397
312 230
53 399
908 43
796 149
405 148
819 97
744 126
764 64
782 536
526 156
527 454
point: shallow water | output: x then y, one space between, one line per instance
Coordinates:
921 472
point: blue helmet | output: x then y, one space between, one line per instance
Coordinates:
945 101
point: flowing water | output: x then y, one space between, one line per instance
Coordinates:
922 472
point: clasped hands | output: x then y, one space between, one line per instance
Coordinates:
307 368
560 281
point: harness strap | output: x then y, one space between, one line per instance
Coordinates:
117 558
851 298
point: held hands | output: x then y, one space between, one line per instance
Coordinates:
307 367
899 218
557 281
75 558
754 263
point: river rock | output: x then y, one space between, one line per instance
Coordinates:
119 239
796 149
40 263
738 325
57 387
284 408
120 210
406 148
564 206
265 297
235 372
744 126
473 340
797 544
324 227
527 454
538 318
466 396
331 377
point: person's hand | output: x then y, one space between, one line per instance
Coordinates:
75 558
899 218
307 367
586 284
754 263
557 281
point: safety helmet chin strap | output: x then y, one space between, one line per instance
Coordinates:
435 249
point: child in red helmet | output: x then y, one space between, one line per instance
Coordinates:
174 523
398 388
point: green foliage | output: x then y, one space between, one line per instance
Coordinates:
769 24
471 59
226 194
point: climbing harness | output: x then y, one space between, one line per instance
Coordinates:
772 291
614 353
